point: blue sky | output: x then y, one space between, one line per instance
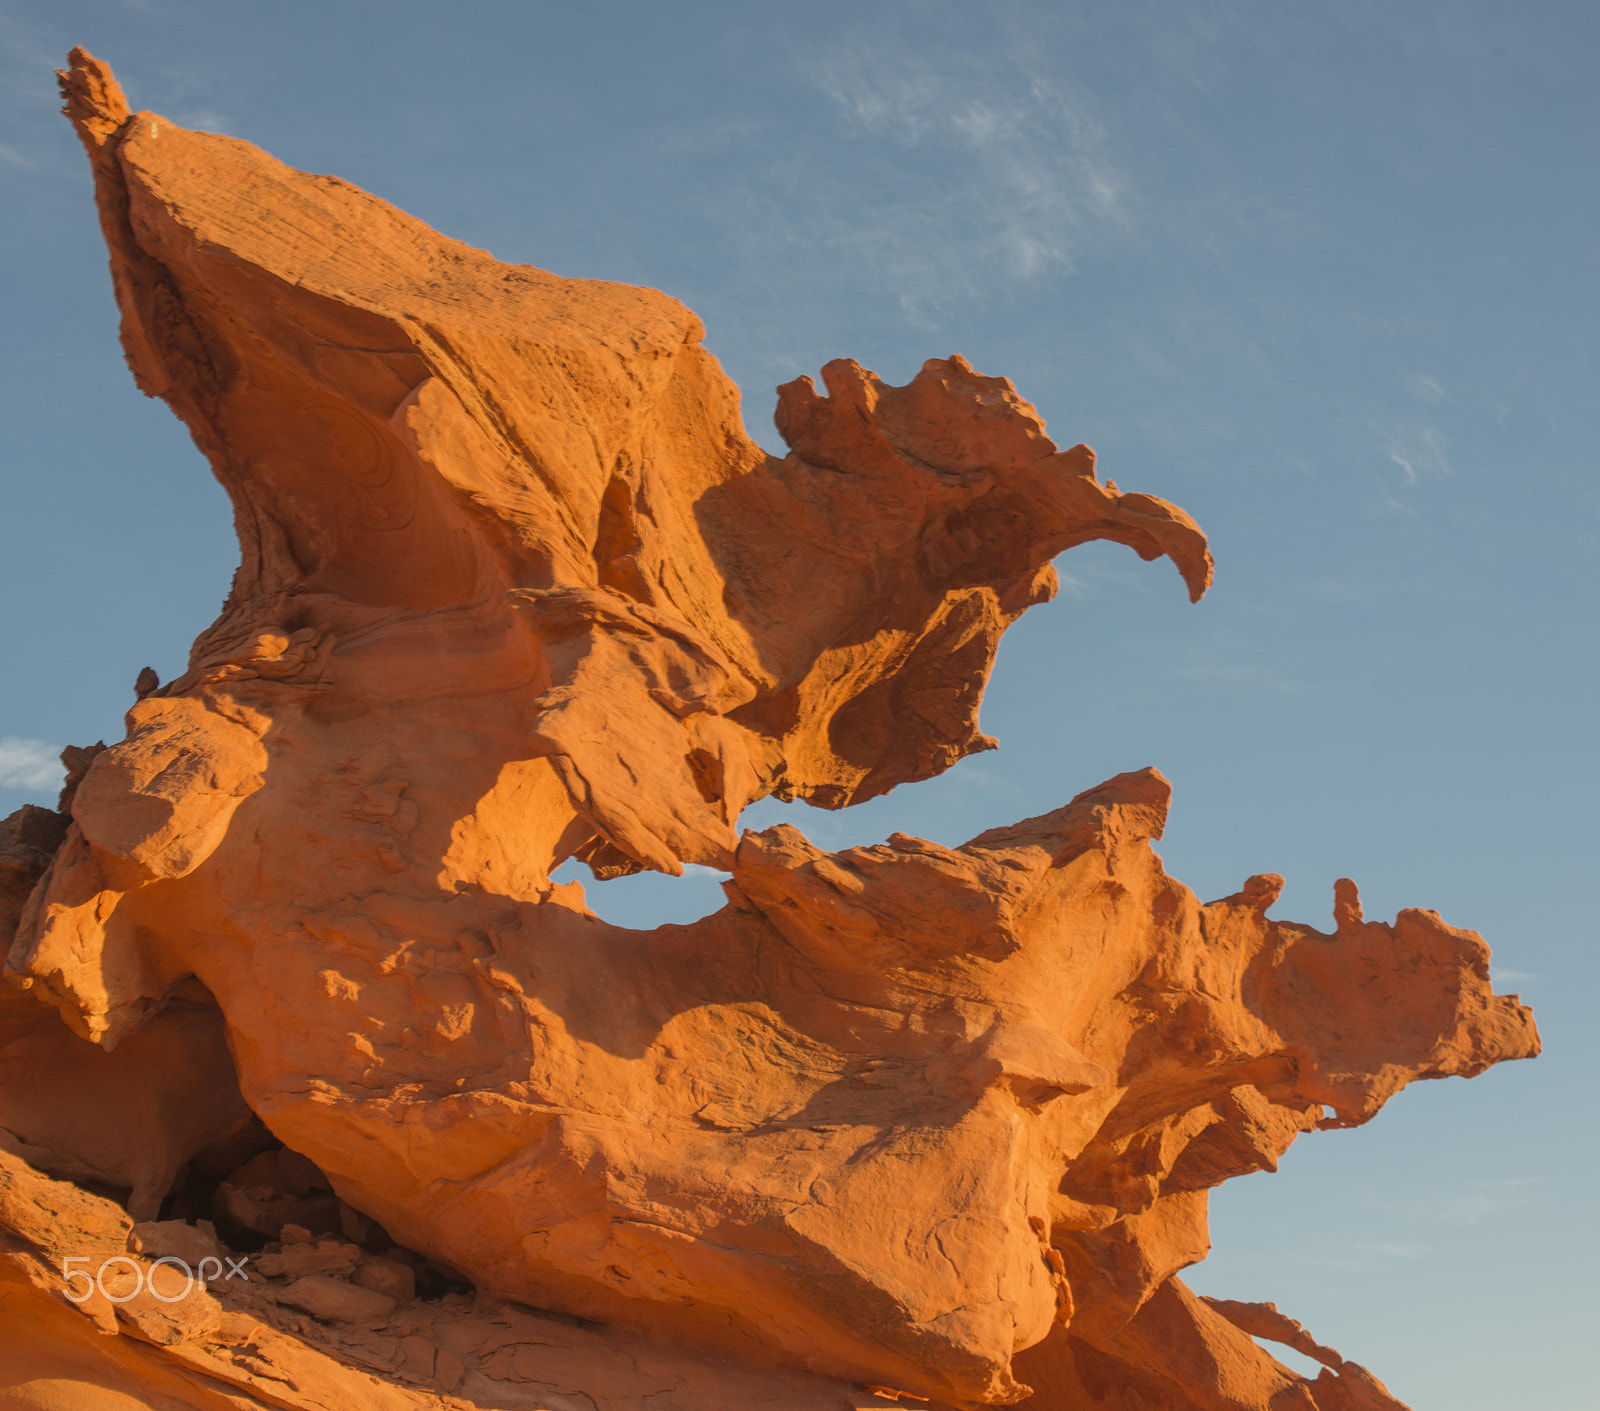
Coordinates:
1324 274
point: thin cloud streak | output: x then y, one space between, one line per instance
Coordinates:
28 764
1486 1200
1368 1254
1420 450
1497 976
989 174
204 120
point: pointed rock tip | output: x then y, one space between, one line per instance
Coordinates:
1147 788
1346 904
1147 785
91 95
1261 890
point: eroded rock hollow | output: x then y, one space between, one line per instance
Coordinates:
517 588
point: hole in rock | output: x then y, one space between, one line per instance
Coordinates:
646 900
1297 1362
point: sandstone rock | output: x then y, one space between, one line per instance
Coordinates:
336 1301
28 840
298 1175
322 1257
516 588
176 1239
274 1193
77 759
171 1308
1180 1354
387 1276
56 1217
448 1370
419 1356
355 1226
56 1354
134 1121
1262 1320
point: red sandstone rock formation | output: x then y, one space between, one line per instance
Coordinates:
517 588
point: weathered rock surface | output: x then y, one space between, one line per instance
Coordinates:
132 1121
516 588
245 1340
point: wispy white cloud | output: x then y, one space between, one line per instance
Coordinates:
1420 449
1427 388
1463 1203
987 172
29 764
1498 976
1231 662
32 48
1484 1200
1100 570
27 65
204 120
1250 676
709 137
1339 590
1368 1254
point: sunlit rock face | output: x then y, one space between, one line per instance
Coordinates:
517 588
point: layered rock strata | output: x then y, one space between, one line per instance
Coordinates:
516 588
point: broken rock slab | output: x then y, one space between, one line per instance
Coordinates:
336 1301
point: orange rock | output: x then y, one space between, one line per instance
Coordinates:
170 1308
516 588
1262 1320
333 1300
386 1276
177 1239
321 1257
133 1119
254 1351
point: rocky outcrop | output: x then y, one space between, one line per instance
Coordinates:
132 1122
121 1330
516 588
